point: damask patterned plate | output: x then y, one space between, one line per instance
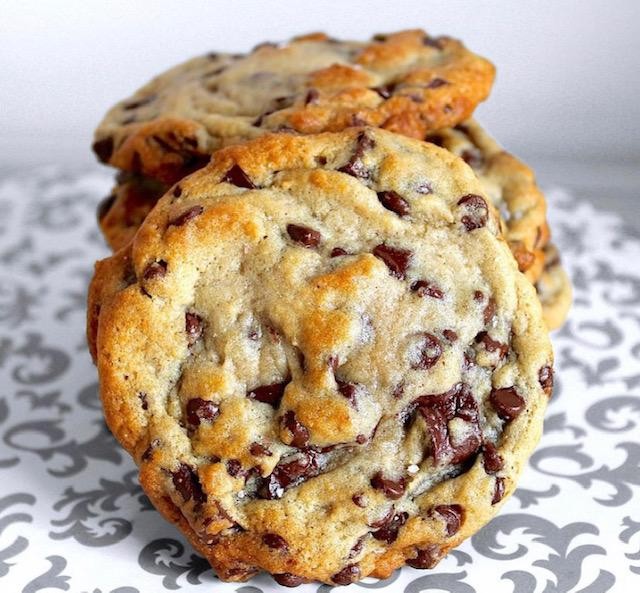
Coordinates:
73 518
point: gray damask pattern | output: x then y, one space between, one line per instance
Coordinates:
73 517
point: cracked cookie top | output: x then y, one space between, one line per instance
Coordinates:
322 355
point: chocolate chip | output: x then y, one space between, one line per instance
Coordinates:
385 520
453 516
148 452
473 158
199 410
498 491
349 391
394 202
427 353
349 574
138 102
321 160
389 532
338 251
426 557
545 376
359 500
156 269
234 468
238 177
312 97
259 450
103 148
438 410
385 91
435 42
423 288
361 439
493 461
392 489
357 547
397 260
476 211
186 216
177 191
268 394
437 83
507 402
143 400
299 432
489 311
288 473
286 579
478 296
492 345
273 540
104 206
193 326
450 335
186 482
355 167
304 235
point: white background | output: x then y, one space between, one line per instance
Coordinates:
568 85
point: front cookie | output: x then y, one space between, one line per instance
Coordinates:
321 354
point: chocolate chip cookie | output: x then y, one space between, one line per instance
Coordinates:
554 289
407 82
322 356
512 187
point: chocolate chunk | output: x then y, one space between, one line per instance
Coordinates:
453 516
394 202
259 450
273 540
238 177
476 211
385 91
450 335
507 402
103 148
392 489
187 483
489 311
286 579
186 216
104 206
426 557
355 167
268 394
193 326
438 410
349 391
290 472
389 532
437 83
423 288
493 461
545 376
498 491
349 574
199 410
143 400
428 353
397 260
299 432
359 500
139 102
156 269
338 251
492 345
304 235
311 97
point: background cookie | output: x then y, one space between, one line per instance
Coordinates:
309 385
406 82
554 289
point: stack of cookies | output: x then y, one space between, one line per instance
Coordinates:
319 334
